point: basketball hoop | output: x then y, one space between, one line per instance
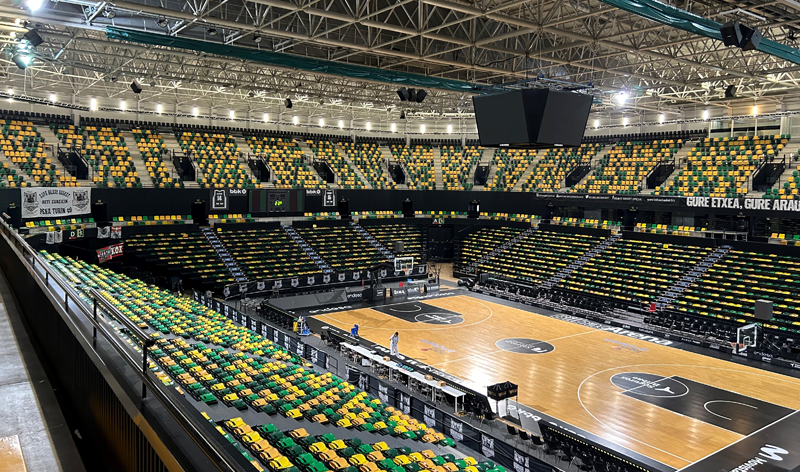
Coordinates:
404 265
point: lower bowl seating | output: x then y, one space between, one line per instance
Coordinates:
227 363
482 242
539 255
267 254
410 235
635 271
188 254
342 247
729 289
298 451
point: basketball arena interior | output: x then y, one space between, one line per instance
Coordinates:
400 235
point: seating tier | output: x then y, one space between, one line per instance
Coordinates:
152 148
729 289
190 254
539 255
635 271
267 254
342 247
285 159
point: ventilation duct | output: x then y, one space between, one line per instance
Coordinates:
290 61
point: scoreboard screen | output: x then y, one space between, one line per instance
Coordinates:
276 201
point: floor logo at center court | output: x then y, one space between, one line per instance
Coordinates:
649 385
525 346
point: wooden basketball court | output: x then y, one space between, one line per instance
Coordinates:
671 405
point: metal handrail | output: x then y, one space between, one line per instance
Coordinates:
221 459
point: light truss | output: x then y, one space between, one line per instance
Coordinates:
485 42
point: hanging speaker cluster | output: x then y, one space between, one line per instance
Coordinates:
741 36
411 95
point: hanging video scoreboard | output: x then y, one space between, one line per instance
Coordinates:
276 201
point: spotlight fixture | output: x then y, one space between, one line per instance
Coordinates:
113 78
110 14
212 31
34 5
33 38
257 39
287 103
162 22
22 61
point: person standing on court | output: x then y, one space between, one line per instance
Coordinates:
393 343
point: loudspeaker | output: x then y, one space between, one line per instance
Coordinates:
135 87
33 38
408 208
751 38
100 212
730 92
483 278
763 310
199 213
412 95
287 103
344 209
13 215
739 35
421 94
403 94
731 34
398 247
474 210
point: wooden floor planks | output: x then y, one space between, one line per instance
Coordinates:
573 382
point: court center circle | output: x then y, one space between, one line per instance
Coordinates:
525 346
418 308
439 318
